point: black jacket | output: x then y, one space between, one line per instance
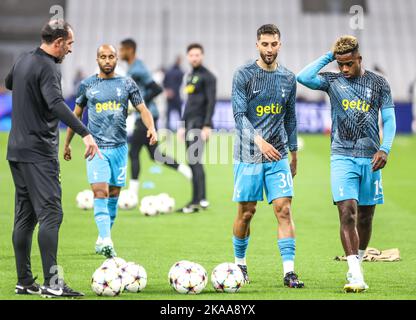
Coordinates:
38 106
201 90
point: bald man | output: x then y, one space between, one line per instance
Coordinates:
105 96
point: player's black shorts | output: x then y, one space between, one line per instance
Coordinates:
38 190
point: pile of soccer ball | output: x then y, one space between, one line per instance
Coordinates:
153 205
191 278
116 275
149 205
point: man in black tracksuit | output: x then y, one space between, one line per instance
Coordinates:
32 152
199 109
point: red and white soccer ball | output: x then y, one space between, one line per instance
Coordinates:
106 282
153 205
127 200
85 200
114 263
165 203
149 206
227 277
134 277
187 277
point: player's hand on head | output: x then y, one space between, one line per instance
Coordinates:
152 135
91 148
67 153
379 160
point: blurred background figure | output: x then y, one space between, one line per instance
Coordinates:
172 84
159 100
201 87
79 76
149 90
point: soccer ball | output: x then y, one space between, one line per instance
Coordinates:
106 282
114 263
85 199
127 200
227 277
188 277
134 277
165 203
149 206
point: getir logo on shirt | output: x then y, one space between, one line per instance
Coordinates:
109 105
272 109
355 104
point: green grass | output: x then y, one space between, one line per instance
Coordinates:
157 242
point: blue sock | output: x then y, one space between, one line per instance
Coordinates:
240 247
287 247
112 209
102 217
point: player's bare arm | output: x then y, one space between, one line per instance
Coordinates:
78 111
379 160
148 122
91 148
293 162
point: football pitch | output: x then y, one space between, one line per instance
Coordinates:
157 242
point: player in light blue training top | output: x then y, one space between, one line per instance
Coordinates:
356 95
263 100
106 96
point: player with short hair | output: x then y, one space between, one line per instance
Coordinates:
356 96
106 96
263 101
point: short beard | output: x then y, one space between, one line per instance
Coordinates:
107 72
61 58
263 57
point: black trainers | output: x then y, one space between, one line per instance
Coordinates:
189 208
243 269
60 292
291 280
34 288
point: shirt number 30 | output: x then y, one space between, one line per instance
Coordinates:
285 180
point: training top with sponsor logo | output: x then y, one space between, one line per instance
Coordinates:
355 104
107 103
263 103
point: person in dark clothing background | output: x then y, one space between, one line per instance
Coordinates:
32 152
172 84
149 90
199 109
